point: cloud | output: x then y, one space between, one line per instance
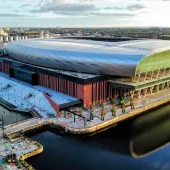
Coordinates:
13 15
113 14
25 5
116 8
135 7
65 8
129 7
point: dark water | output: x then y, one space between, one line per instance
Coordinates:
12 117
109 150
151 131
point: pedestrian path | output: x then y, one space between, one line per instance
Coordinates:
69 124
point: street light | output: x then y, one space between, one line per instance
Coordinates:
39 104
34 99
8 93
16 117
14 93
21 97
1 90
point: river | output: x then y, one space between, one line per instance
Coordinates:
109 150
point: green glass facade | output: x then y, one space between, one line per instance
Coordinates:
154 62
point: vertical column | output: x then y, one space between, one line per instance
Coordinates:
100 91
108 91
97 92
104 91
138 78
152 75
158 73
164 72
145 76
88 94
85 99
91 94
94 93
101 97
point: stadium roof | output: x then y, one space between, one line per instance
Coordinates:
125 58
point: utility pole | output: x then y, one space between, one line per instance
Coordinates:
16 116
8 93
3 126
34 99
21 97
1 90
39 104
14 93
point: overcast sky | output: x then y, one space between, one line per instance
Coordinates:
84 13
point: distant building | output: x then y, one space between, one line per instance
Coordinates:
154 36
7 28
3 33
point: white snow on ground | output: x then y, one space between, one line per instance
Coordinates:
24 97
59 98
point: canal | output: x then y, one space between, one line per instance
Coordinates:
109 150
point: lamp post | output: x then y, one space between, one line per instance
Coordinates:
16 117
3 126
1 90
21 98
34 99
14 93
39 104
14 96
8 93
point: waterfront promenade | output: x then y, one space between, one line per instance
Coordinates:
68 125
78 127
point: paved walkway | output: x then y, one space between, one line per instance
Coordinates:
79 124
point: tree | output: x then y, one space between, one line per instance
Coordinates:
113 110
91 107
132 102
113 101
122 102
80 110
102 113
123 108
91 115
102 104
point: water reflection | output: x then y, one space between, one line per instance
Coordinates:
151 131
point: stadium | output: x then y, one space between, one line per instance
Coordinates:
91 71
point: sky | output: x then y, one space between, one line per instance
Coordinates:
84 13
